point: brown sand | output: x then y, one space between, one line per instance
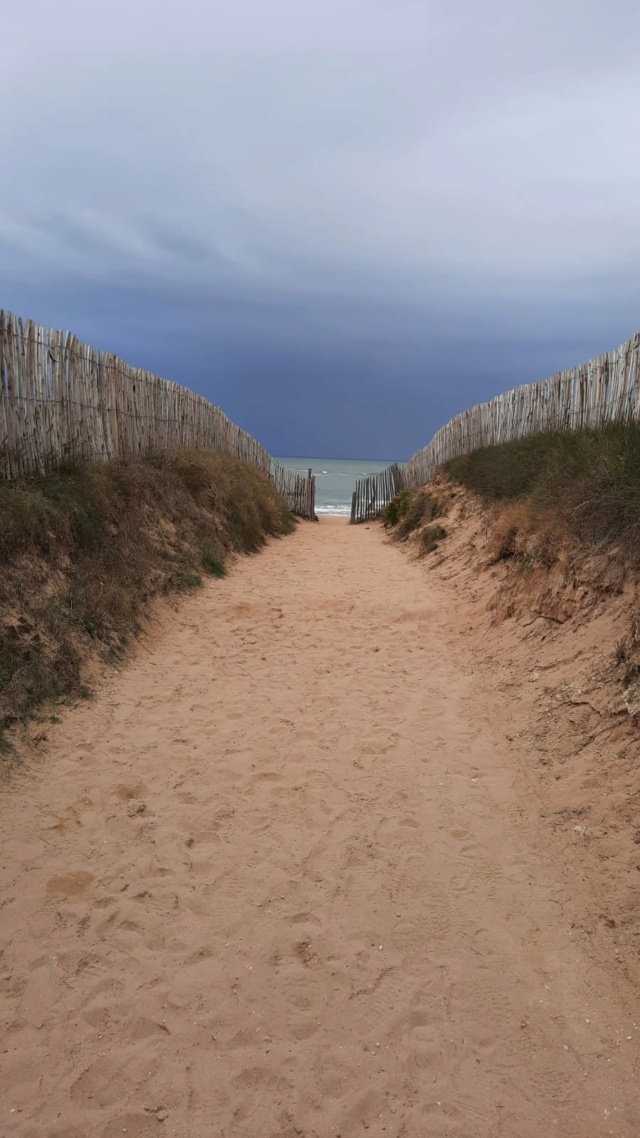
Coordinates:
546 640
284 878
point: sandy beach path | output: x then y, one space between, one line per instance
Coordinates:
278 881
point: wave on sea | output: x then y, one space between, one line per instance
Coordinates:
335 480
335 509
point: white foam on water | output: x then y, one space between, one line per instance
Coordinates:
335 511
335 480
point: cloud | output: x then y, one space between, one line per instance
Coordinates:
410 202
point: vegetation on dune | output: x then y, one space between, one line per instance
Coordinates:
84 549
409 510
584 484
412 511
551 490
396 509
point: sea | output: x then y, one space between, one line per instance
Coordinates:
335 479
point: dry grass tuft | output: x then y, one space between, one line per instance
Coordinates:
430 538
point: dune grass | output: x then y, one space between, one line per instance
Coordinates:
552 490
410 509
588 480
85 548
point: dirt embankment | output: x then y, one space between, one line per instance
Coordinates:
555 628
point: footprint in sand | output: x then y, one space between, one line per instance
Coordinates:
75 884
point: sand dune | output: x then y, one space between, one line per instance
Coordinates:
278 880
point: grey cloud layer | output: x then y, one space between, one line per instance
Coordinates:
359 194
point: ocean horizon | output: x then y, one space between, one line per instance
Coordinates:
335 479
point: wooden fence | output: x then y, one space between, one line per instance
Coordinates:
61 399
374 492
605 390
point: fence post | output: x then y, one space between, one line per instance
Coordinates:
309 495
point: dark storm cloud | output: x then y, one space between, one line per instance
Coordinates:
342 222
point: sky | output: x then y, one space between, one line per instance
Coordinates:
342 221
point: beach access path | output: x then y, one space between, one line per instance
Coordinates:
281 879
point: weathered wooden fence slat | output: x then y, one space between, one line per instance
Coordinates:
61 399
604 390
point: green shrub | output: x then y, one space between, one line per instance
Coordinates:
409 510
423 507
396 509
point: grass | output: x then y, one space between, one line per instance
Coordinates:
580 485
396 509
84 549
409 510
414 510
591 479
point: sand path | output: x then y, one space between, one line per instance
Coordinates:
278 881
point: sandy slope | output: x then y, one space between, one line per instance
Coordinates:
283 879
